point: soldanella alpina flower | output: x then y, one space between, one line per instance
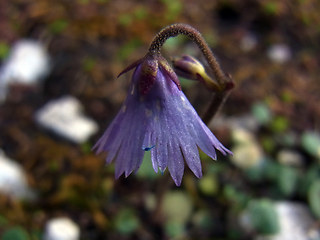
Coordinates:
192 69
157 117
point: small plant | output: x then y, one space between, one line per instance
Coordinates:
157 117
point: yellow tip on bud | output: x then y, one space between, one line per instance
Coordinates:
190 68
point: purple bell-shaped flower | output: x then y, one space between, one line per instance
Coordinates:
157 117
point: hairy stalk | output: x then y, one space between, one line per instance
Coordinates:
184 29
224 81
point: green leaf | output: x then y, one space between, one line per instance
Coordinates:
203 219
15 233
263 216
174 229
256 173
237 198
272 169
307 179
314 198
310 141
287 180
262 113
126 221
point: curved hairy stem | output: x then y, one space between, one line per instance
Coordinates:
184 29
224 81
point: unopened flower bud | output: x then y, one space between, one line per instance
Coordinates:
190 68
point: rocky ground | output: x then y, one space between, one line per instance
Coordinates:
50 118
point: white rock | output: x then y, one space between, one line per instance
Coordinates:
13 181
27 63
65 118
279 53
290 157
296 223
61 229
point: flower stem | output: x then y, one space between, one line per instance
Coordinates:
184 29
224 81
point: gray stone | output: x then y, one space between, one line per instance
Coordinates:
279 53
61 229
296 223
27 64
13 180
64 117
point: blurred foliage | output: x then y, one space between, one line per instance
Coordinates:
90 42
314 195
311 143
126 221
4 50
263 216
177 209
15 233
262 113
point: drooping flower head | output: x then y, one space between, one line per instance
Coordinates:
157 117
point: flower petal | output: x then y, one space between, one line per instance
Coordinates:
175 162
191 155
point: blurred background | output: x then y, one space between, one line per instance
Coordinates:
58 93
